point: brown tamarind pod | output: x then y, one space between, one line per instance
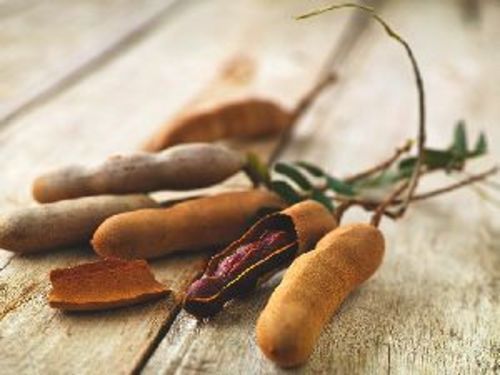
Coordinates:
197 224
182 167
64 223
268 246
105 284
243 118
313 288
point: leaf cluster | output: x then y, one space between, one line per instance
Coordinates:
300 180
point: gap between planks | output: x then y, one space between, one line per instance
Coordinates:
89 63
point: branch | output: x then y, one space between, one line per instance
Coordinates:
371 205
383 165
419 84
301 108
470 180
381 208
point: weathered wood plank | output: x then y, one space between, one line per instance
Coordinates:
433 306
112 111
49 44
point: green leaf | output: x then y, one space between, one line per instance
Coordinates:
459 146
320 197
433 159
311 168
285 191
339 186
387 177
256 170
293 174
481 146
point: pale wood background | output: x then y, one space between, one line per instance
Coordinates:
80 80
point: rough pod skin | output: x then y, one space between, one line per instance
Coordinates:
242 119
267 247
182 167
313 288
102 285
196 224
65 223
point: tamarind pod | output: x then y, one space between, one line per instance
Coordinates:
178 168
313 288
242 119
268 246
196 224
65 223
105 284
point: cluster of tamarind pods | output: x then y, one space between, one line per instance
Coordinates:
108 204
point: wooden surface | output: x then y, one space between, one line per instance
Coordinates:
102 83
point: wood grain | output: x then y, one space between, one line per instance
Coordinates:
433 306
111 111
49 44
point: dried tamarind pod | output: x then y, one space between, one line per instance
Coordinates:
313 288
244 119
178 168
268 246
197 224
105 284
239 118
65 223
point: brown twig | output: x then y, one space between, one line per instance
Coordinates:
420 90
304 104
381 166
371 205
381 208
470 180
341 208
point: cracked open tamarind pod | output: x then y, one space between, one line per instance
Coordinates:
196 224
65 223
243 119
313 288
182 167
267 247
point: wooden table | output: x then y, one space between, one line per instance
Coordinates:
80 80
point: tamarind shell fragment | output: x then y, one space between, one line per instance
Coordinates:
304 223
182 167
242 119
105 284
197 224
313 288
64 223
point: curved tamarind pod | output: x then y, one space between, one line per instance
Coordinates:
268 246
178 168
65 223
313 288
245 119
193 225
238 118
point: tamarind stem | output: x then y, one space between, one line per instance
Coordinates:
304 104
383 165
371 205
421 136
375 220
